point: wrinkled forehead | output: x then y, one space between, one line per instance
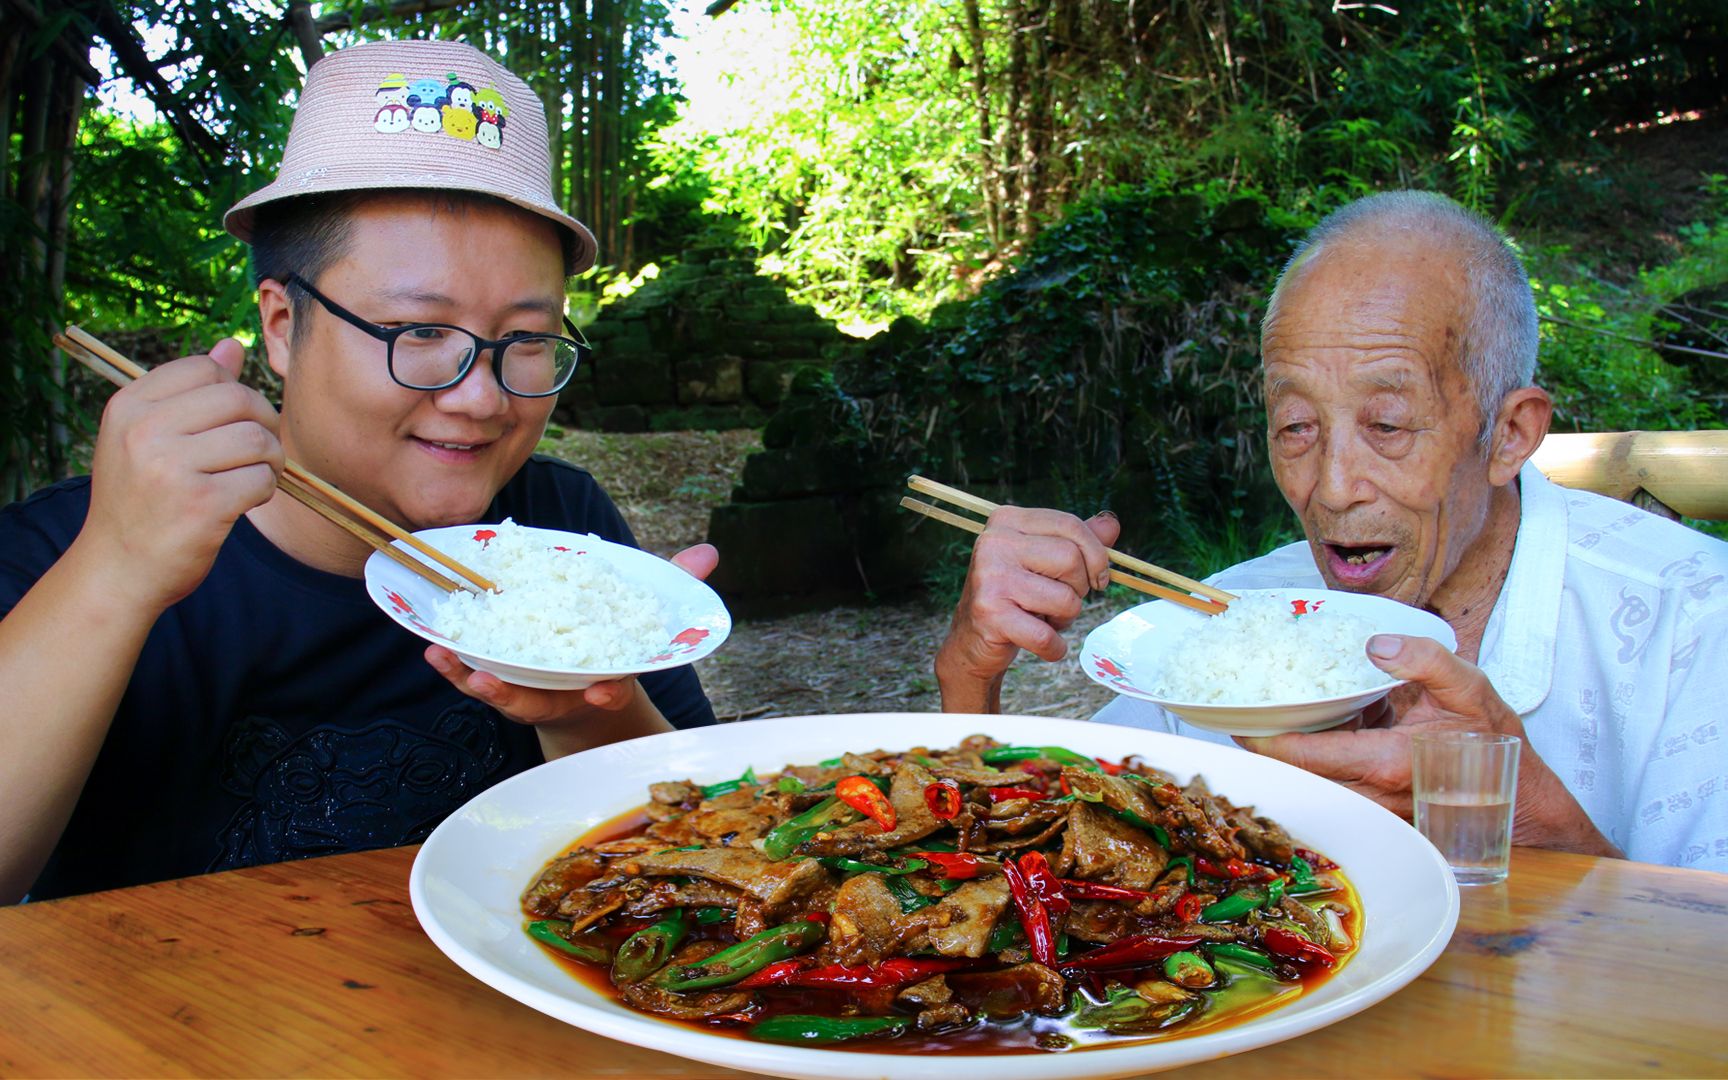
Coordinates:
1387 316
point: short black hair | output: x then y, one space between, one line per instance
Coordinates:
305 235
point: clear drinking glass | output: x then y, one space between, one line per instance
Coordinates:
1464 784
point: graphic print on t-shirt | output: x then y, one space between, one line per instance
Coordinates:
348 789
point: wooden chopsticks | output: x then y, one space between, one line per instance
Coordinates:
328 501
1212 601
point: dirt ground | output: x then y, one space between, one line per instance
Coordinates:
870 658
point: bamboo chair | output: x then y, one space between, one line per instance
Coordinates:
1672 473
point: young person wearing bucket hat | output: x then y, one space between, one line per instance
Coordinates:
196 679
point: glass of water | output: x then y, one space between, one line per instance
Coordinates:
1464 784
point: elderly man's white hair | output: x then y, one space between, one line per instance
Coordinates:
1498 352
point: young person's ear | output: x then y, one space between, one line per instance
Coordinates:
276 314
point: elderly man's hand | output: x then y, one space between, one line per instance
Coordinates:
1030 569
1449 693
571 720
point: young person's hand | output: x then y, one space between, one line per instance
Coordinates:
570 720
181 453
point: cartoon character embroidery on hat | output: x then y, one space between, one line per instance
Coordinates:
392 118
459 115
393 90
426 99
489 106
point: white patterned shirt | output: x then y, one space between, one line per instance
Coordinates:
1610 639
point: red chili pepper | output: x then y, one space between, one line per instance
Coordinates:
775 974
1044 883
1109 769
1188 907
1033 918
1295 947
1003 794
1066 789
1234 869
943 799
1097 890
957 865
866 798
817 916
896 972
1316 860
1135 950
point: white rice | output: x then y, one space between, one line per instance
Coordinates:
1258 653
554 609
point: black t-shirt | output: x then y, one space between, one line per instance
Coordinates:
277 714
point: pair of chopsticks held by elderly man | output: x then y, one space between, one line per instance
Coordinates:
197 681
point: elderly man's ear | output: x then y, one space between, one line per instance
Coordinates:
1518 430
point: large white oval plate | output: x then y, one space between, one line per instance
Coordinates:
697 620
467 877
1128 652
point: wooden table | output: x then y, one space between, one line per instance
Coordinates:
1576 967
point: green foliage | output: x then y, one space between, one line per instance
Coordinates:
1596 358
1117 366
887 156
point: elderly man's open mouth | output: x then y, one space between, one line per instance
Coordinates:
1356 565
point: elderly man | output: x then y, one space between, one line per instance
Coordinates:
1399 350
195 677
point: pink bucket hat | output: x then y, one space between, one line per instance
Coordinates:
433 115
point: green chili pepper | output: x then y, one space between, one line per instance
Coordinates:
726 787
1062 945
1006 935
1229 950
548 930
853 866
1274 891
745 958
708 916
1186 862
686 847
1301 873
789 784
824 1030
998 755
923 846
828 763
1139 822
1125 1012
1189 969
1234 906
928 763
647 950
787 835
910 899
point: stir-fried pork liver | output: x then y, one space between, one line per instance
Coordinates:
895 894
1106 848
774 884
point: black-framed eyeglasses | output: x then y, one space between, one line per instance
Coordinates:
437 356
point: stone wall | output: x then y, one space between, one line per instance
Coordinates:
815 519
708 344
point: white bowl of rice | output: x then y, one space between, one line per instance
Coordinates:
1278 660
570 610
